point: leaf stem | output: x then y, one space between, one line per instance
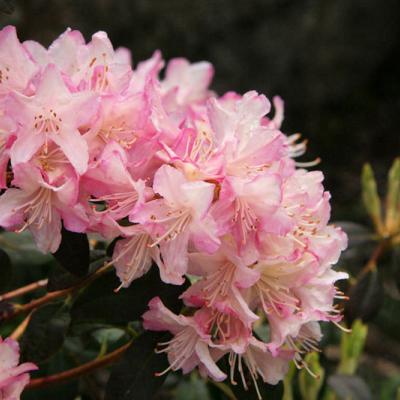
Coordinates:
81 370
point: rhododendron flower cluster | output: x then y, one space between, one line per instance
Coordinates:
201 186
13 377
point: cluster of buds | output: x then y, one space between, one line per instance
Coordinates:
201 186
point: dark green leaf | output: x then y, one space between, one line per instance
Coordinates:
60 279
45 333
366 297
6 309
7 6
5 270
73 253
193 389
267 392
22 249
133 378
396 266
111 246
350 387
390 271
99 302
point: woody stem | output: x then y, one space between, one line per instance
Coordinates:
81 370
35 303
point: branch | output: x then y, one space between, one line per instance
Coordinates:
23 290
19 331
18 309
376 254
78 371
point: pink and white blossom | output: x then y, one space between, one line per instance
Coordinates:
204 187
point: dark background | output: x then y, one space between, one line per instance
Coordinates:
333 61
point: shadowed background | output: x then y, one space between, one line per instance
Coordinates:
332 61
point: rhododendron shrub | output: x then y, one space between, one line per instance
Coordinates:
203 188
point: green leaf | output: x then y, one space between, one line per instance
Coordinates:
133 377
267 392
366 297
7 6
193 389
371 198
351 347
60 279
5 270
22 249
309 385
99 302
393 197
349 387
45 333
73 253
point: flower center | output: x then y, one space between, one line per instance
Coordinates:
176 220
38 209
274 293
121 133
4 74
137 253
245 217
218 284
179 349
121 203
46 123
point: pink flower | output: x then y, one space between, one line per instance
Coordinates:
223 276
249 147
189 346
109 181
245 203
181 215
186 83
7 137
52 115
16 67
203 186
133 256
40 203
13 377
63 52
259 362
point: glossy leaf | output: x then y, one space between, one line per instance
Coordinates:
7 6
60 279
100 303
268 392
133 377
393 197
366 297
73 253
22 249
45 333
193 389
350 387
5 270
372 202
